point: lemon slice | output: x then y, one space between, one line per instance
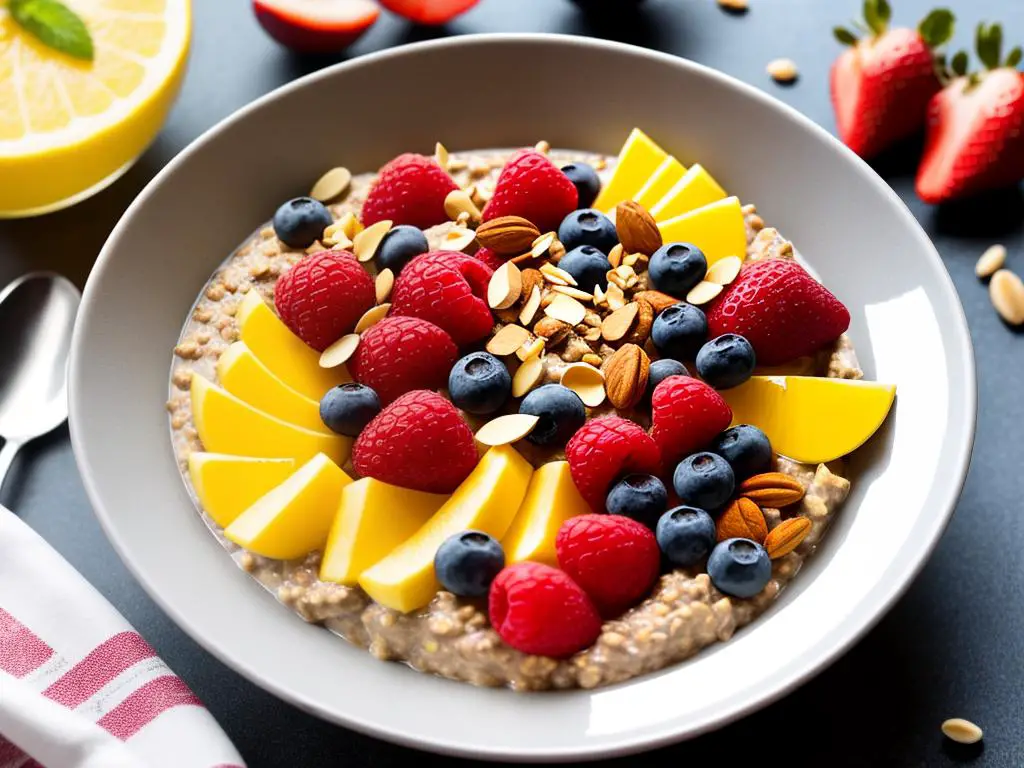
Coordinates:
70 127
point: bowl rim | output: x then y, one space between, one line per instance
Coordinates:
624 743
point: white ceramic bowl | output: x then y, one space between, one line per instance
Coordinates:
907 323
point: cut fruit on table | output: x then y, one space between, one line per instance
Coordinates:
717 229
323 26
228 485
71 125
792 409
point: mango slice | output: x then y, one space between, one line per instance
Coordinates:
812 419
638 159
284 353
717 229
229 425
550 500
695 189
486 501
228 485
662 180
372 520
294 518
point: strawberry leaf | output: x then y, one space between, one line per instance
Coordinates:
877 14
844 36
959 63
936 29
989 42
1014 57
55 25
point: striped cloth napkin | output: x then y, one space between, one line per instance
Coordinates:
79 688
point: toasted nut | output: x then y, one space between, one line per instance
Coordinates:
459 238
1007 294
340 351
576 293
478 168
372 316
557 276
782 70
441 155
532 278
991 260
530 307
566 309
961 731
599 296
641 330
786 536
586 381
638 231
724 270
617 324
543 147
772 489
350 225
507 340
555 331
556 251
615 296
459 203
507 235
742 519
659 301
383 284
542 245
626 373
334 236
592 359
365 243
531 349
462 219
331 185
527 376
507 429
616 254
703 292
592 335
505 286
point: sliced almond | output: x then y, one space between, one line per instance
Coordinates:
372 316
586 381
961 731
566 309
527 376
557 276
459 239
991 260
724 271
576 293
616 254
531 349
591 359
1007 294
331 185
615 297
383 284
542 244
441 155
529 310
617 324
336 237
782 70
340 351
599 296
507 340
350 225
365 243
703 292
505 286
458 203
507 429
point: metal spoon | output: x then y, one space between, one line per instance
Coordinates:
37 314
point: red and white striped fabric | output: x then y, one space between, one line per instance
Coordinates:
79 688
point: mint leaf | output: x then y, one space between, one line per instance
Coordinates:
1014 57
936 28
55 25
989 41
844 36
959 64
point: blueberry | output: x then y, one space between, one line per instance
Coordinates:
400 246
586 181
739 567
661 370
560 410
747 450
347 408
301 222
466 563
704 480
676 268
479 383
726 361
588 266
641 497
588 226
680 331
686 535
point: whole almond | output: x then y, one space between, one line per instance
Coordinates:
659 301
625 376
507 235
644 322
638 231
742 519
786 536
772 489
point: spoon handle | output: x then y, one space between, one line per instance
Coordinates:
7 454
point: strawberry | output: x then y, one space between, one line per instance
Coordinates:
603 450
881 85
318 27
613 558
419 441
686 415
400 354
323 296
409 190
429 12
533 187
448 289
780 309
975 136
540 610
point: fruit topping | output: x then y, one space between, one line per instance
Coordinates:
739 567
587 226
780 309
586 181
746 448
640 497
694 190
479 384
676 268
467 562
531 186
662 180
326 26
615 559
227 485
680 331
400 354
400 246
726 361
660 370
686 415
348 408
550 500
429 12
718 229
704 480
588 265
606 449
540 610
686 535
489 258
638 159
301 222
559 410
409 190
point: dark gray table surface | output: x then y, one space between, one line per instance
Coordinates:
953 646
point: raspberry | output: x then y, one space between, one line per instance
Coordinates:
419 441
400 354
447 289
409 190
533 187
686 415
613 558
605 449
540 610
488 257
323 296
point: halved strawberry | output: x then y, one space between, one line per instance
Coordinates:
429 11
316 26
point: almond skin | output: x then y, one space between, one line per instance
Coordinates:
786 536
772 489
641 330
659 301
507 235
742 519
638 231
625 376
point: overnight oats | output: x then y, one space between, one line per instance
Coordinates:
532 418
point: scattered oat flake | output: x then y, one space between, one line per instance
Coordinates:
782 70
507 429
734 5
962 731
991 260
1007 294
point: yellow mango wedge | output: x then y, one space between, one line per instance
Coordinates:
812 419
550 500
695 189
228 485
294 518
486 501
638 159
284 353
244 376
229 425
663 179
717 229
372 520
